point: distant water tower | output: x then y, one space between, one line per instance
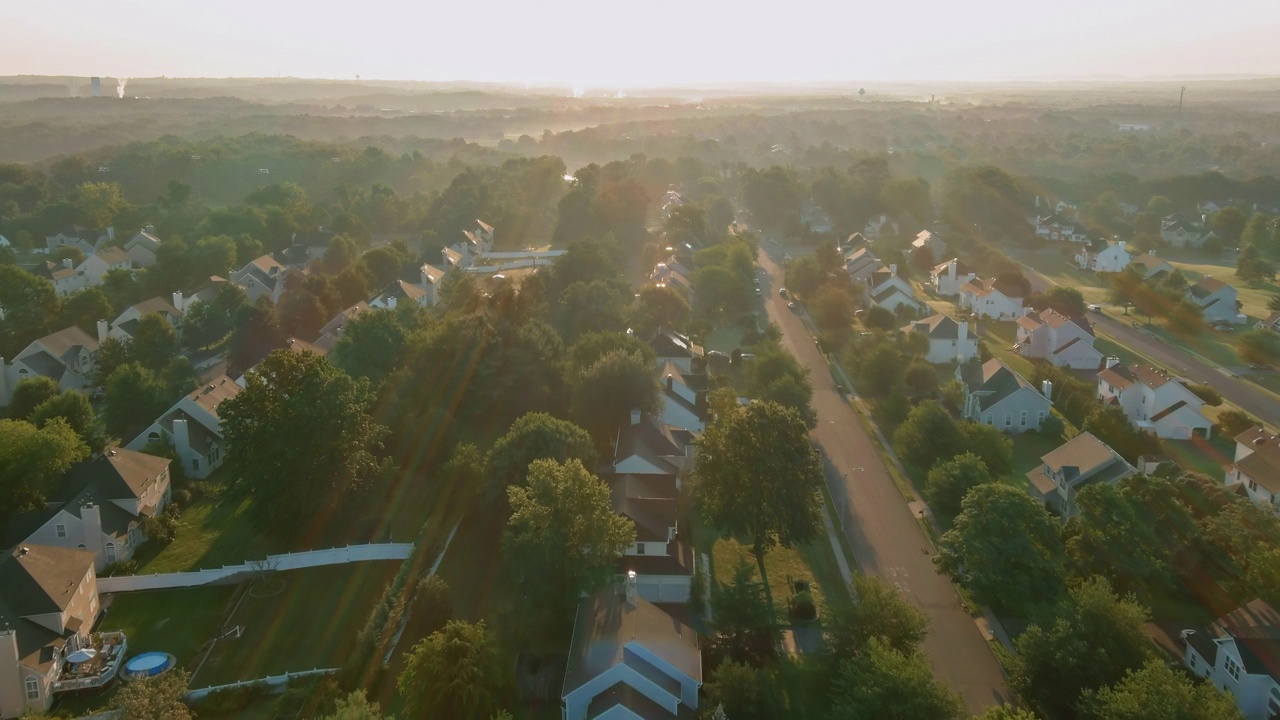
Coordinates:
97 86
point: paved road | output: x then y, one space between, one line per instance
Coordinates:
1241 393
885 537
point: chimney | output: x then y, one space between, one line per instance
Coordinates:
111 233
1122 244
1046 389
951 267
444 255
103 328
1152 252
91 524
635 417
893 268
963 336
670 383
178 300
66 263
632 591
182 442
1113 361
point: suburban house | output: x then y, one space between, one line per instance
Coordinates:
670 201
889 290
948 340
880 225
1056 227
986 297
65 357
815 218
87 241
672 273
678 349
1063 341
48 606
99 507
682 398
261 276
1079 462
1150 266
332 331
65 278
142 249
1216 299
948 277
1180 233
94 269
928 240
997 395
1270 322
629 659
1153 400
1256 466
861 263
474 245
126 323
425 292
1240 653
1113 259
192 428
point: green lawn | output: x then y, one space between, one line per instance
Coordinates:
1000 337
1195 266
174 621
211 533
1202 456
1057 264
1028 448
814 561
309 621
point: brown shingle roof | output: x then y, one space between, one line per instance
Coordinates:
606 623
38 579
1083 451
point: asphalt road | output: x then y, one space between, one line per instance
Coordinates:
1241 393
886 539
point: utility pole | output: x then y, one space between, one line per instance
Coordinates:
1181 93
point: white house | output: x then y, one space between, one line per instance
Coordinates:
889 290
1240 654
1063 341
683 398
66 357
142 249
474 245
1256 466
99 507
425 292
1058 228
88 241
927 240
861 263
126 323
1079 462
629 659
1113 259
878 226
997 395
1181 233
948 340
1153 400
261 276
948 277
1150 266
94 269
1216 300
985 297
192 428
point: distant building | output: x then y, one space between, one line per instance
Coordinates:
1081 461
996 395
1216 300
1256 466
1113 259
948 340
948 277
1240 654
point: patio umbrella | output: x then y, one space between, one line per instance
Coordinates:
80 656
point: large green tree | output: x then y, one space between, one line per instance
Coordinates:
155 698
882 683
301 439
84 309
659 307
457 672
744 691
1005 549
563 537
1157 691
29 303
375 343
758 478
603 395
29 394
878 612
33 459
745 622
775 375
73 407
928 435
535 436
949 481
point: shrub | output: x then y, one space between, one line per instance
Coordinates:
698 592
182 498
124 567
1233 422
1052 427
1211 397
432 606
162 528
802 607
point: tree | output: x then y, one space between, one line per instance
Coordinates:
1065 300
1005 549
878 318
355 706
1228 224
929 434
85 308
776 376
455 673
535 436
32 459
1110 425
1232 422
292 396
1007 712
1088 644
159 697
29 302
73 407
745 622
659 306
603 395
878 612
1259 347
758 477
921 378
949 481
155 342
29 394
1157 691
134 397
432 606
832 308
991 444
563 537
882 683
744 691
375 343
804 276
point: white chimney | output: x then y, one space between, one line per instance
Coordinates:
103 328
444 255
963 337
635 417
893 268
1122 244
111 233
632 591
391 302
66 263
1046 389
951 267
91 524
178 300
1113 361
182 442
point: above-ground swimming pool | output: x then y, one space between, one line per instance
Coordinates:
148 664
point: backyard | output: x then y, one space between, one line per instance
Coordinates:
177 621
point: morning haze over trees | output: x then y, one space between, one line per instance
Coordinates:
528 401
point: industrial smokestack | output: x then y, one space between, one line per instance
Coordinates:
120 87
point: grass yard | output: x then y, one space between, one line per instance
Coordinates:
176 621
1056 264
814 561
1027 451
1000 338
310 622
211 533
1195 266
1202 456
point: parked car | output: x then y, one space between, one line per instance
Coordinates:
782 292
1095 308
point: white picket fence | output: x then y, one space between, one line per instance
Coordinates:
272 681
288 561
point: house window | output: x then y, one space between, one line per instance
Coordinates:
1253 486
1008 419
60 530
1023 418
1194 659
1040 417
33 689
987 419
153 436
1232 668
195 464
640 548
111 553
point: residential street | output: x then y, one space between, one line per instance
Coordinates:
1241 393
885 537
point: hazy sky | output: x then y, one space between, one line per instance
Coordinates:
626 42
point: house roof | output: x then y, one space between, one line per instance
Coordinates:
1272 320
961 268
1055 219
928 239
45 365
1053 319
295 345
889 292
145 240
937 327
1148 261
340 320
266 264
1206 286
39 579
1262 464
606 624
67 341
484 226
696 382
432 273
671 344
997 382
117 473
981 287
212 393
1255 627
652 441
1079 456
1123 377
453 256
1180 224
154 305
677 560
112 255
